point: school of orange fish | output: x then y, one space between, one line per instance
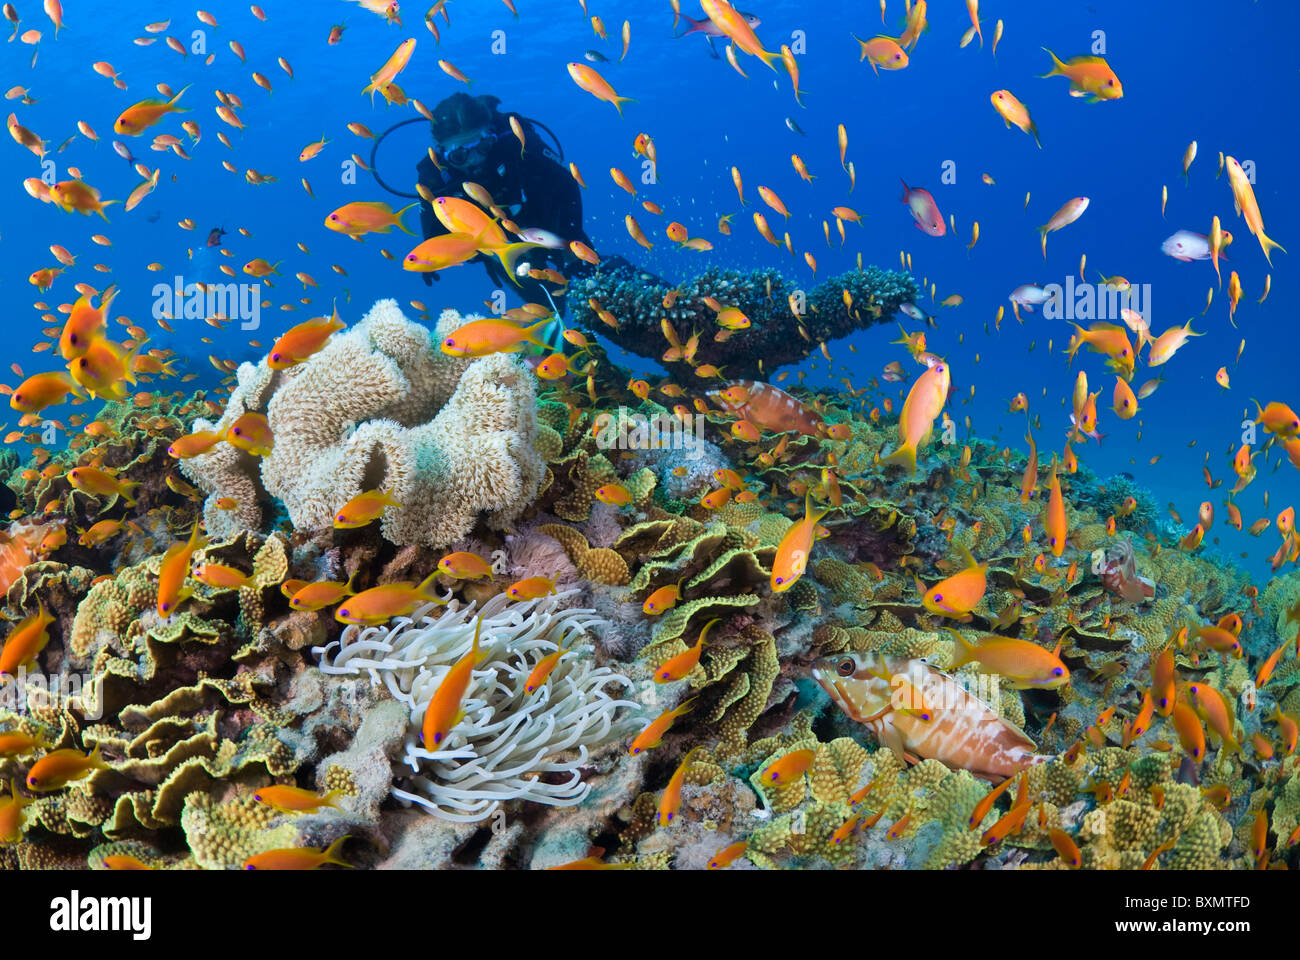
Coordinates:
969 736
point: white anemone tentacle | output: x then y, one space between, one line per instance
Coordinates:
507 737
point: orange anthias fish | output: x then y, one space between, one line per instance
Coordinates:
250 432
174 570
530 588
288 799
57 769
301 341
15 743
959 594
135 119
481 338
884 53
789 767
194 444
925 401
1089 77
767 407
1244 195
543 669
83 325
391 68
676 668
11 815
961 731
102 483
465 566
298 858
1057 527
374 606
317 594
362 509
724 857
444 710
653 734
1191 735
596 85
41 390
1012 111
792 553
671 801
663 599
1025 664
735 26
360 217
25 641
1029 482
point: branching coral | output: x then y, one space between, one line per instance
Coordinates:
380 407
511 744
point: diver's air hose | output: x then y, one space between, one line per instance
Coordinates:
374 149
374 168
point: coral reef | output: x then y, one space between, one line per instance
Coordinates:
238 690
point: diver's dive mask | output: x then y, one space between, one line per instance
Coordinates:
459 154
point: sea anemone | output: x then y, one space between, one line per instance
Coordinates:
510 742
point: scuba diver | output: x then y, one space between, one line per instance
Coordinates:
474 143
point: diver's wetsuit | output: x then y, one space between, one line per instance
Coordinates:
533 190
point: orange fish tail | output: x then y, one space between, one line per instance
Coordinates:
331 854
428 587
1267 243
904 456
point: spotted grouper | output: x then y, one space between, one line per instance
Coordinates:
921 713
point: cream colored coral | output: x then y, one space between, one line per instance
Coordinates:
381 407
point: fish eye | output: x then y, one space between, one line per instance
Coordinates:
249 866
166 605
1057 671
343 613
846 667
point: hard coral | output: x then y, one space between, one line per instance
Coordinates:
774 339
